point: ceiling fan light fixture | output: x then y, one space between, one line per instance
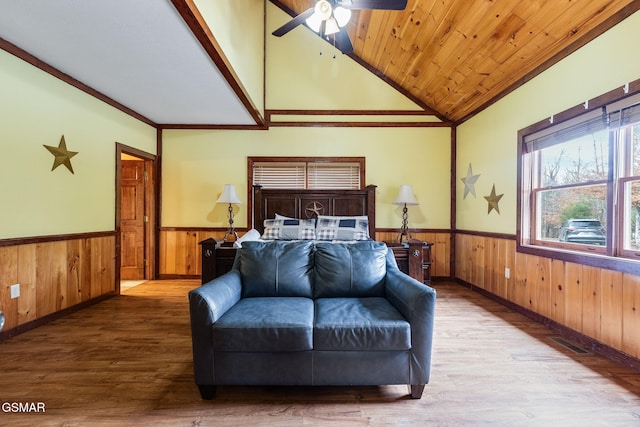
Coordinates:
331 27
342 15
314 22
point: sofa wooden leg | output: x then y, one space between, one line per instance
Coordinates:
415 390
207 392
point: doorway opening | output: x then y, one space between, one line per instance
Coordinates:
135 217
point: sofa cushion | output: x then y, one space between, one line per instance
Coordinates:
266 324
276 269
350 269
359 324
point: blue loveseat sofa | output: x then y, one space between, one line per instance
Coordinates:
312 313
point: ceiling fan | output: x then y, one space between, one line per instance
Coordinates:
330 17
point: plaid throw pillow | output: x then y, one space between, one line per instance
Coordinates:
342 228
289 229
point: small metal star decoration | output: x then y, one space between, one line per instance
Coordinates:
493 200
313 209
61 154
469 183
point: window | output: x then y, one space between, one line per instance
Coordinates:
580 182
307 172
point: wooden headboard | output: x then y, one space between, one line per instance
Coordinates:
310 203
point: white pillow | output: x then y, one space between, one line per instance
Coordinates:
278 216
250 235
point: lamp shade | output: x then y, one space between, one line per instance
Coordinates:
314 22
323 9
342 15
405 196
229 195
331 26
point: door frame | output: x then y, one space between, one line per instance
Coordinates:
151 205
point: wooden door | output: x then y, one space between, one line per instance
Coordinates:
132 226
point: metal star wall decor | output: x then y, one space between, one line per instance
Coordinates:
493 200
469 183
61 154
313 209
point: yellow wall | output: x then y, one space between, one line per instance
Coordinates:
489 140
36 109
196 164
238 27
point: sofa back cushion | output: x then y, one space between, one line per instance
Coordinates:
276 269
350 269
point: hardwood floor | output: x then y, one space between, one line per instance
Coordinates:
127 361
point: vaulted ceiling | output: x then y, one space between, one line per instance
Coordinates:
456 57
155 60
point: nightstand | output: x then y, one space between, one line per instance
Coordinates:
217 259
413 258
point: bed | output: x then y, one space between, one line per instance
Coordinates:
308 204
268 203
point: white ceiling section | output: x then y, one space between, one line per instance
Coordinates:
140 53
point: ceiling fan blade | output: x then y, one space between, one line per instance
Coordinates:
343 42
372 4
293 23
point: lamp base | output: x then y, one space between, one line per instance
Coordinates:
231 231
404 231
404 237
228 233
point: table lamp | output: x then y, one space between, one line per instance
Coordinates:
229 196
405 198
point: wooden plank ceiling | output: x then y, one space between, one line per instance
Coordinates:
457 57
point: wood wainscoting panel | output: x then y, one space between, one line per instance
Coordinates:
180 250
573 298
102 267
543 287
8 277
610 313
591 301
558 292
601 304
51 258
74 289
464 263
491 250
441 254
54 275
27 279
520 291
631 315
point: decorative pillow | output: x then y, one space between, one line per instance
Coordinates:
342 227
289 229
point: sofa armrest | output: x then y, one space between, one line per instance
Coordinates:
206 305
416 302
